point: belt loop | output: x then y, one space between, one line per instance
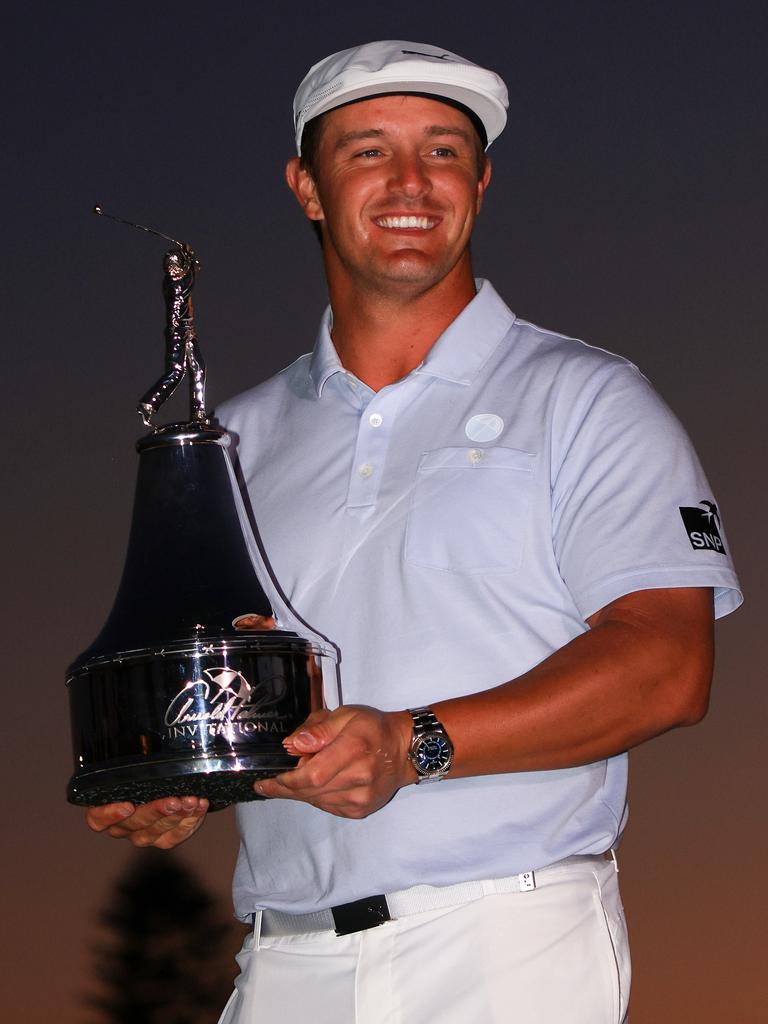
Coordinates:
257 915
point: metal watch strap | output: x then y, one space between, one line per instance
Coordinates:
424 720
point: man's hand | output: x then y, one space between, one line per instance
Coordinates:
163 823
352 761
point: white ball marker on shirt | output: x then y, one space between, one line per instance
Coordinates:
485 426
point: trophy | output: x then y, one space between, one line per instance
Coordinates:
202 667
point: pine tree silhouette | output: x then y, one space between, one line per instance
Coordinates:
170 954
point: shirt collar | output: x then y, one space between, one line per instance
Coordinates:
459 353
325 360
465 345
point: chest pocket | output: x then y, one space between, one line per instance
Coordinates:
469 510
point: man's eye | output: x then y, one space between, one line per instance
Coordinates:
369 152
443 151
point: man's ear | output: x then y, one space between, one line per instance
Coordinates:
482 184
302 184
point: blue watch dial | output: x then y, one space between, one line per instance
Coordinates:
433 753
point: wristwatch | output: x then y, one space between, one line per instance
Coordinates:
431 750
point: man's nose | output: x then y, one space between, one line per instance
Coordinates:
410 176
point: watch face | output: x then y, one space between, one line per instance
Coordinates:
432 754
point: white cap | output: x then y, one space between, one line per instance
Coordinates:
393 66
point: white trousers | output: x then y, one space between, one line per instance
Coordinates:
555 955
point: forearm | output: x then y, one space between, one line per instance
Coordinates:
643 668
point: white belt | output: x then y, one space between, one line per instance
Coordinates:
375 910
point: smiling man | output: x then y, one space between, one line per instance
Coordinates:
395 183
416 234
451 494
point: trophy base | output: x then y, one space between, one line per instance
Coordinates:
204 717
219 784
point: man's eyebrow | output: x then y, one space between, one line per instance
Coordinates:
439 129
432 131
363 133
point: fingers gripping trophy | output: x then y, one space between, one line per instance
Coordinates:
203 666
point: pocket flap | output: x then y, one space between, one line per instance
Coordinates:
474 458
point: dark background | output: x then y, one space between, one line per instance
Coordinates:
628 208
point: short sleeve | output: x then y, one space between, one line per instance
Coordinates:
632 508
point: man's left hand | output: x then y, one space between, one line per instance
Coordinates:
352 761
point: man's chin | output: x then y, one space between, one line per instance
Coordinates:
410 266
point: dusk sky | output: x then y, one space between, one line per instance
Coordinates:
628 208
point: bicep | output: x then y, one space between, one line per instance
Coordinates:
675 626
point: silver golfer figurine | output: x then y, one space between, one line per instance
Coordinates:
183 356
182 351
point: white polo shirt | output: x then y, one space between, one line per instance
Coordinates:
448 533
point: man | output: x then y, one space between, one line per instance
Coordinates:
507 533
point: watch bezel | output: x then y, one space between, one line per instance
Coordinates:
446 758
427 728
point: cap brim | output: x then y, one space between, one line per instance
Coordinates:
490 111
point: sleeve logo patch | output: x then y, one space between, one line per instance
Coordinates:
702 527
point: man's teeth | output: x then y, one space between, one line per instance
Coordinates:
405 222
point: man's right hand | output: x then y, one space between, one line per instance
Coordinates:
162 823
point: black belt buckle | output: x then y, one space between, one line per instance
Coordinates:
360 915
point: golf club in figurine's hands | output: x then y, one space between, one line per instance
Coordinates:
202 667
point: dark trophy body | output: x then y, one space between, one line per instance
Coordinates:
172 698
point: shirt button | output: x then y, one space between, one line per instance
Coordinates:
365 470
476 455
375 419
